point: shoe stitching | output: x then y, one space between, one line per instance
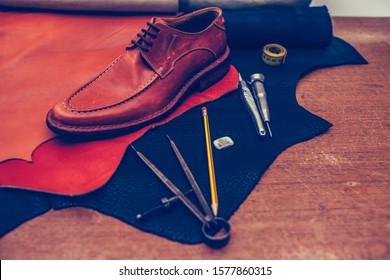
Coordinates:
178 34
172 65
220 23
149 117
183 33
66 102
129 97
150 63
170 46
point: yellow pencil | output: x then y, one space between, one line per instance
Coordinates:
213 185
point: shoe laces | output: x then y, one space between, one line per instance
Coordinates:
144 43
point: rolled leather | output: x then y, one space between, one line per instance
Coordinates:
307 27
98 5
192 5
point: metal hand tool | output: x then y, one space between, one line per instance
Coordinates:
191 179
165 203
215 230
249 102
257 82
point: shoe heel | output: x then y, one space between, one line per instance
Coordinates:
214 75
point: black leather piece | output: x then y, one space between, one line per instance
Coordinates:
307 27
134 188
18 206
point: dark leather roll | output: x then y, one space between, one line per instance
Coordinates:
307 27
192 5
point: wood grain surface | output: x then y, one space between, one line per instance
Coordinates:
328 198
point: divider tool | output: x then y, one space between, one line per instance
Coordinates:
215 230
165 203
193 183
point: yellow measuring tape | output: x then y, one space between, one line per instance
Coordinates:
274 54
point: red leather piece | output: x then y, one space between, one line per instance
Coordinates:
44 57
78 168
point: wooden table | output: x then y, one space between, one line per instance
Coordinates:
328 198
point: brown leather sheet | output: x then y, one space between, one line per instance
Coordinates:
76 168
43 58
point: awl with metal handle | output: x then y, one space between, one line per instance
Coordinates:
257 83
249 102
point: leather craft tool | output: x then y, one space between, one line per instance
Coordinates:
274 54
210 163
192 181
165 203
249 102
257 82
215 230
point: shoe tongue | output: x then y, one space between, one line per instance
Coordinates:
156 20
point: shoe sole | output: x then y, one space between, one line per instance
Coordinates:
202 80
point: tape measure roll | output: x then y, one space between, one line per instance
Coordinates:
274 54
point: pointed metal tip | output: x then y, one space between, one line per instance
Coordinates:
168 137
239 77
134 148
269 129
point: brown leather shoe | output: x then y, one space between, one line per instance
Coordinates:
150 77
